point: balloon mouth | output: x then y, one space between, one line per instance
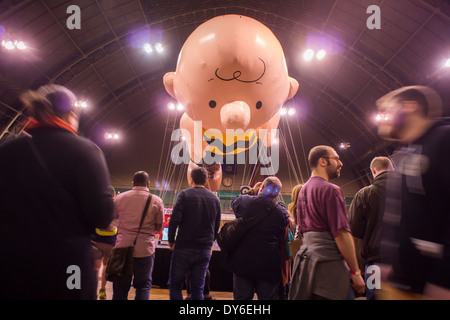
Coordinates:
235 115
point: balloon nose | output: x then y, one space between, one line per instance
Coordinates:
235 115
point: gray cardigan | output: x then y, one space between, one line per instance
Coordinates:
319 268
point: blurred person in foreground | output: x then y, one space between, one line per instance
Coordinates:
415 245
54 192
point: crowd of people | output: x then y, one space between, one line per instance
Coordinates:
58 214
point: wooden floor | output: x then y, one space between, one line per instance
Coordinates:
163 294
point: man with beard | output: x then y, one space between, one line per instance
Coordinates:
321 265
415 245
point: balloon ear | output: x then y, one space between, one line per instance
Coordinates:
293 87
168 83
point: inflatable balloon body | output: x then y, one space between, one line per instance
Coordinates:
232 80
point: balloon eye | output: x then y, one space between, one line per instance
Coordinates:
258 105
212 104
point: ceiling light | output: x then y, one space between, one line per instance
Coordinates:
112 136
11 45
344 145
308 55
180 106
8 45
159 48
148 48
447 63
81 104
291 111
382 117
21 45
283 111
321 54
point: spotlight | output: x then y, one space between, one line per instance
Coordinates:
382 117
171 106
112 136
321 54
291 111
308 55
81 104
180 107
447 63
21 45
11 45
283 111
344 145
158 47
148 48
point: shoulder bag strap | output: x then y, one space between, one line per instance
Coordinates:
143 216
259 217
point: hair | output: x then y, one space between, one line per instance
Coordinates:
292 207
112 190
316 153
381 163
428 99
199 176
141 179
48 101
271 180
414 95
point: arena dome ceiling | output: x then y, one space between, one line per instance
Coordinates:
104 64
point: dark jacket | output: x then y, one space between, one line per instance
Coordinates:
47 217
259 254
366 216
197 215
416 229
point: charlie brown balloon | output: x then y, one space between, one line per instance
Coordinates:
232 81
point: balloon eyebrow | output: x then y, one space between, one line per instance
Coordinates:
237 74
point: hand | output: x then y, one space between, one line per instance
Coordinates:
358 283
255 189
171 246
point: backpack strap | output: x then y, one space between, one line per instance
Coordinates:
259 217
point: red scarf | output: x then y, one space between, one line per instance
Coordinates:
53 121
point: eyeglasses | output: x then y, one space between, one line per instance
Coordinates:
335 158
